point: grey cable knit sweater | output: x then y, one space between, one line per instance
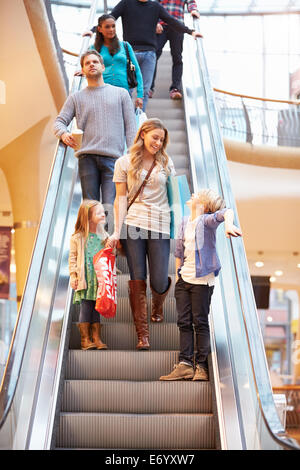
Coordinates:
106 116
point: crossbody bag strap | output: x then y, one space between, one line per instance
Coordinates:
142 185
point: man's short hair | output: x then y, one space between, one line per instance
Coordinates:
89 52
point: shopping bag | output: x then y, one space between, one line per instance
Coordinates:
178 194
140 117
105 267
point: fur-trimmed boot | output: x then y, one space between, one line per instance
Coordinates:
86 342
95 332
157 314
138 303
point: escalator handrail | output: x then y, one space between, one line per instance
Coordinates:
17 348
280 437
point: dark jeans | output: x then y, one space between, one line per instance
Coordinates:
193 303
140 244
88 312
176 45
96 174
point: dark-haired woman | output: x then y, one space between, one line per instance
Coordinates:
114 57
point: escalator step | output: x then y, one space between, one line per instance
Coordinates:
163 336
122 365
117 396
136 431
124 314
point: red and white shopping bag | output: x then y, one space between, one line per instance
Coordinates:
105 267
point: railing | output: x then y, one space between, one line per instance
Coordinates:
26 415
258 121
292 393
247 414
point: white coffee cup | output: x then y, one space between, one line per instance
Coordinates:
77 136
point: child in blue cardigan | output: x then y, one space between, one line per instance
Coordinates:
197 265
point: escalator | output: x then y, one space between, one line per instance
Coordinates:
55 396
117 392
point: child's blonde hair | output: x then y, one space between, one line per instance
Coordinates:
137 149
211 200
82 224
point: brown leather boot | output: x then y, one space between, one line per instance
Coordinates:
157 314
86 342
95 330
138 303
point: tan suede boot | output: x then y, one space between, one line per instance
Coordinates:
138 303
95 330
86 342
157 314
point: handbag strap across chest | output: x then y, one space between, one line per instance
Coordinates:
142 185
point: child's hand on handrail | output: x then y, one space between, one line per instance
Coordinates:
232 230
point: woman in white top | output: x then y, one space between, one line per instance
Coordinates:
144 229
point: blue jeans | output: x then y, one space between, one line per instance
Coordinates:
147 61
192 304
140 244
96 174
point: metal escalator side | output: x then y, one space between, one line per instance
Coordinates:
31 378
246 411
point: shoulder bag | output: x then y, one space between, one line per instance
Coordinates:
131 73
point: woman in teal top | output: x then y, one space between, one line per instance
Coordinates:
114 57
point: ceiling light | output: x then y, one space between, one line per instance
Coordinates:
259 264
269 319
298 265
278 273
272 279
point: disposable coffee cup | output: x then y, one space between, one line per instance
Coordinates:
77 136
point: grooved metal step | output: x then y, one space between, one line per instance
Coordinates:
119 365
135 431
163 336
151 397
155 105
177 113
124 314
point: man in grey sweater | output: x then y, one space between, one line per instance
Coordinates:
105 113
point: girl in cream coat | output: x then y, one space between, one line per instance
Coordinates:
87 240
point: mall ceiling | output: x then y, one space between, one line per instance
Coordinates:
214 7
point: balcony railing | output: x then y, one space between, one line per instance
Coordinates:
258 121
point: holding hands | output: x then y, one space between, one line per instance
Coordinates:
113 241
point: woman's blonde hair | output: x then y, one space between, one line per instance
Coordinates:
82 224
137 150
211 200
